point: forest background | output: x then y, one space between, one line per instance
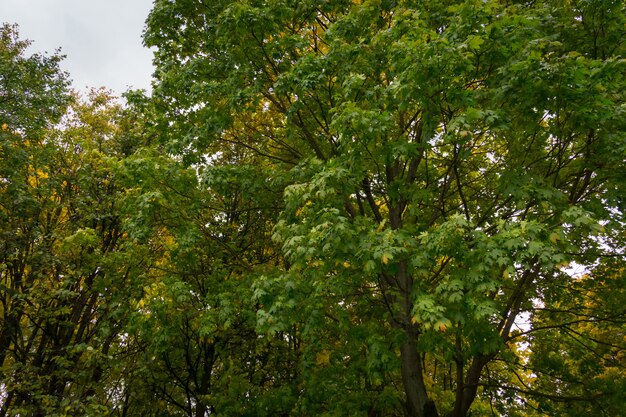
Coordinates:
333 208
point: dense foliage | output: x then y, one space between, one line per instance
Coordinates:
381 208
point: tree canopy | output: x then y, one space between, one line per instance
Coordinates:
398 208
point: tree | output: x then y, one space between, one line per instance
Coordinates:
33 97
443 162
68 269
578 345
210 233
34 89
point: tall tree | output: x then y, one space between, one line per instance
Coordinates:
33 96
446 160
68 268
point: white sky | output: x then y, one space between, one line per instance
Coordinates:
100 38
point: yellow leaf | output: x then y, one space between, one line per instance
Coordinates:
322 358
346 264
554 237
385 258
5 126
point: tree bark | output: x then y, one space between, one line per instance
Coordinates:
417 401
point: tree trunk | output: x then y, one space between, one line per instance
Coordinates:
417 402
7 333
204 388
412 377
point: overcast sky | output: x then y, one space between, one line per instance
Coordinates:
101 38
